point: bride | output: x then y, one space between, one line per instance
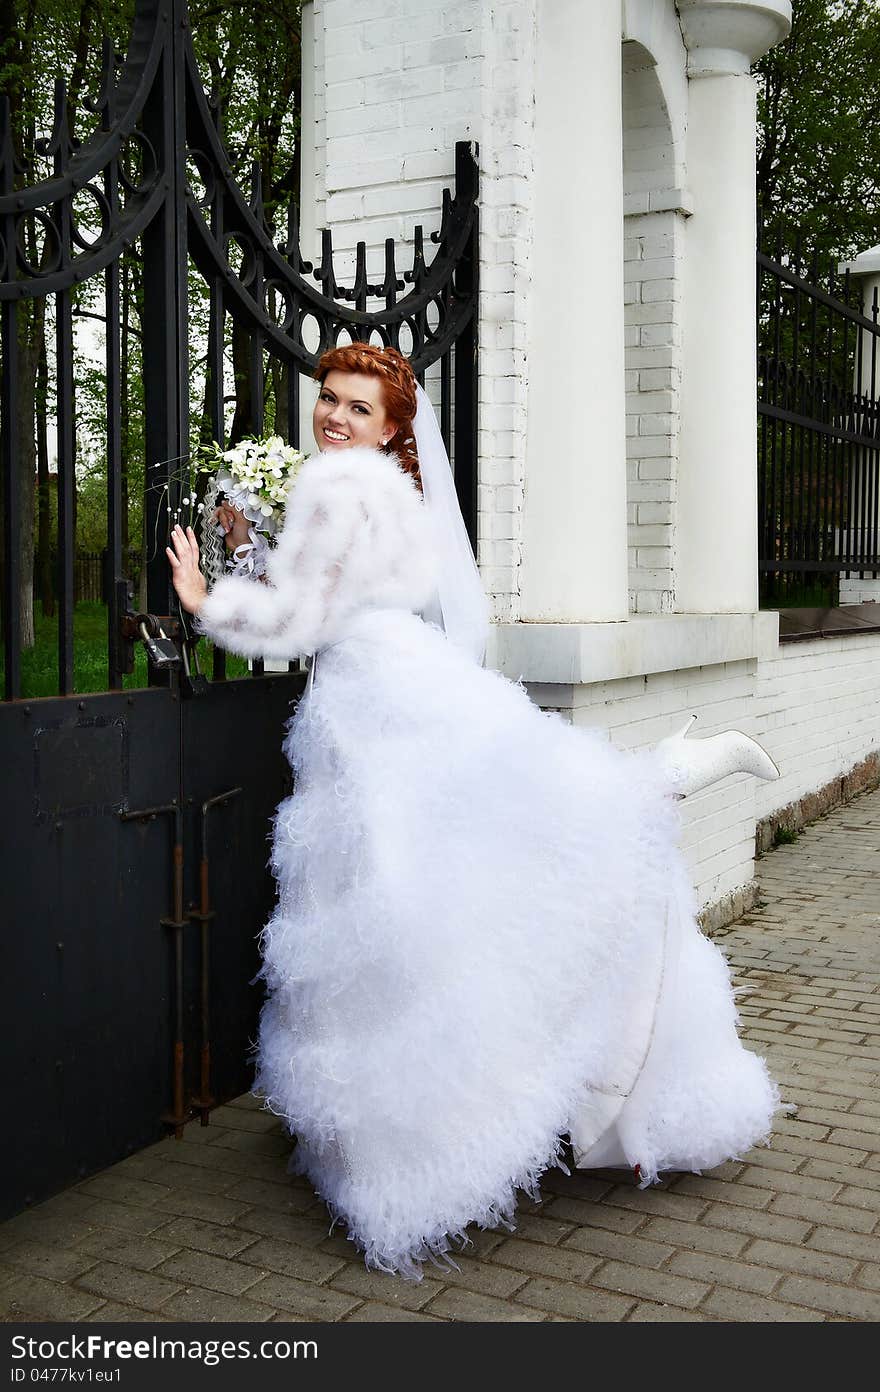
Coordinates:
484 938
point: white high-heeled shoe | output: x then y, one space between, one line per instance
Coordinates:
695 764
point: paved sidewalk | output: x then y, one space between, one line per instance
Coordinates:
212 1228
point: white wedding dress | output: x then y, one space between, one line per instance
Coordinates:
484 938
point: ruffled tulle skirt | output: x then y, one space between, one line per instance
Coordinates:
484 940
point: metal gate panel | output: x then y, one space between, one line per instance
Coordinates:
232 739
85 964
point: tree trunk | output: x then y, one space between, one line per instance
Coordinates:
124 420
27 467
45 579
243 420
280 372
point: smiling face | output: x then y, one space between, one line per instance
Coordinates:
350 411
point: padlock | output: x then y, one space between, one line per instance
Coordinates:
192 683
161 651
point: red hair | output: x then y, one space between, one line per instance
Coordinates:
398 392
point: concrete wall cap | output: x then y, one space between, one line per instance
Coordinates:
866 263
725 37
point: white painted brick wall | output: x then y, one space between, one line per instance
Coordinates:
857 590
399 82
653 250
817 711
652 313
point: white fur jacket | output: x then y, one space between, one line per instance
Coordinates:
355 536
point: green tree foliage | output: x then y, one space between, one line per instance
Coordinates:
819 127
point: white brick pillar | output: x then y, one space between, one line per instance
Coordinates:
716 542
865 270
574 565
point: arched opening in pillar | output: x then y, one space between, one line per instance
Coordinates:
653 230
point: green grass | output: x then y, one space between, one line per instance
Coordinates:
39 664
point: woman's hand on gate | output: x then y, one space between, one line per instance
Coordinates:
188 580
234 524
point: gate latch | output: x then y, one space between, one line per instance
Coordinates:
161 650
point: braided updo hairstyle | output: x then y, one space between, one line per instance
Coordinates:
398 392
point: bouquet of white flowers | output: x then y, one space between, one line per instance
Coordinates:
255 476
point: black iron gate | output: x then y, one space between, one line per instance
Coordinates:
818 426
136 819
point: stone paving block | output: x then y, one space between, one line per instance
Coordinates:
658 1201
176 1176
71 1203
785 1160
374 1313
861 1196
647 1313
818 1211
37 1259
108 1214
34 1295
281 1197
852 1136
563 1263
595 1215
306 1230
533 1228
757 1223
244 1119
128 1249
469 1306
784 1182
661 1286
214 1273
613 1245
123 1190
302 1298
214 1208
694 1236
576 1302
833 1299
289 1260
256 1143
145 1289
235 1163
741 1194
481 1242
113 1313
484 1277
339 1245
804 1148
724 1271
803 1260
52 1229
195 1305
746 1307
206 1237
869 1276
840 1119
377 1288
